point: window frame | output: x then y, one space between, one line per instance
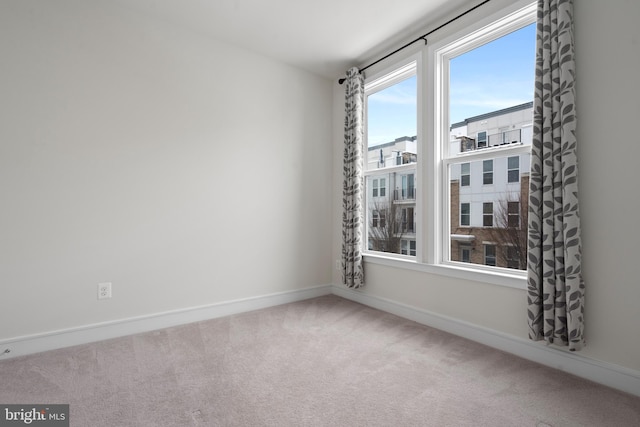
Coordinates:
487 173
510 169
467 215
467 175
401 70
487 215
484 139
432 211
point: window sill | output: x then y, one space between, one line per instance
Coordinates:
517 280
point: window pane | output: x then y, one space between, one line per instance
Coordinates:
490 110
513 162
392 143
391 125
490 255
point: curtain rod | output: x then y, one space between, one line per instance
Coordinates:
422 37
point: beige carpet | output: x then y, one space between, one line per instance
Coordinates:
321 362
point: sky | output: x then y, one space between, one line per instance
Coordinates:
491 77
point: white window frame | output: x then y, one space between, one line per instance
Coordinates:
487 214
484 172
468 215
509 169
468 175
432 180
516 214
409 66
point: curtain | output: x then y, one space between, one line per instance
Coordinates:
555 286
353 183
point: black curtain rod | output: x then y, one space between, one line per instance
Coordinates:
422 37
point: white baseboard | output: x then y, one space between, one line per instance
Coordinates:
609 374
102 331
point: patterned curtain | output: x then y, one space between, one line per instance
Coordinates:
353 184
555 285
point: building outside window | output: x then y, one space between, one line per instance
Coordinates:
465 214
513 169
490 255
465 174
482 139
487 172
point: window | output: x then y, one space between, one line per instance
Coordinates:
408 220
490 255
476 62
408 187
408 247
465 174
513 169
487 172
513 214
487 214
467 149
465 214
392 149
482 139
512 257
465 253
379 189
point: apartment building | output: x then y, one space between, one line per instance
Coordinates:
488 196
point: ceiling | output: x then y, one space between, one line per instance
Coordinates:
316 35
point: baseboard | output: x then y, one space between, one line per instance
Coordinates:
609 374
101 331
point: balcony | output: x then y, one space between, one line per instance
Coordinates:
498 139
404 195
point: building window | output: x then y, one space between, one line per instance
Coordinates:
482 139
513 169
512 257
408 247
465 174
375 219
408 220
465 214
465 253
487 214
408 190
379 187
490 255
487 172
513 214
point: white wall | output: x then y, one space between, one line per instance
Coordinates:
608 103
183 170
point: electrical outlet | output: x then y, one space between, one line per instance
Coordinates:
338 265
104 290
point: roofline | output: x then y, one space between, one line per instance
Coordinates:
484 116
394 142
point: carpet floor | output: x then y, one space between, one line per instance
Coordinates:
326 361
